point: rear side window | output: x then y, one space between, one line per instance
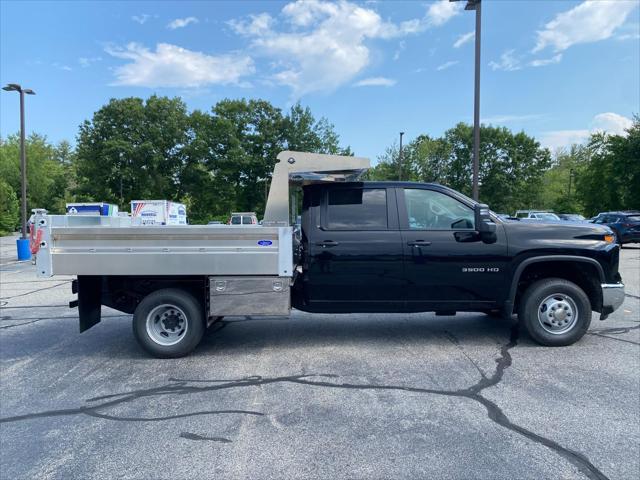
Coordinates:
357 209
235 220
633 218
246 220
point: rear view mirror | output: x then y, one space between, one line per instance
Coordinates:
484 224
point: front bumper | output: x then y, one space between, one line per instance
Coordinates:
612 298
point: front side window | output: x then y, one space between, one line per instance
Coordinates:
236 220
430 210
246 220
357 209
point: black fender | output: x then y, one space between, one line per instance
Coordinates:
545 258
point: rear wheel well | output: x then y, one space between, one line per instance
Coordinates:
124 293
583 274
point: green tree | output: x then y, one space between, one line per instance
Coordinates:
233 151
610 179
46 177
559 186
215 161
302 133
132 148
511 165
9 208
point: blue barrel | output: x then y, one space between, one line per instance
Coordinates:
24 251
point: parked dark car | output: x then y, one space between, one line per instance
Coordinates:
571 217
625 224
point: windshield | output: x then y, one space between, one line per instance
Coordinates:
547 216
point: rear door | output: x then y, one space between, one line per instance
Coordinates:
355 252
447 266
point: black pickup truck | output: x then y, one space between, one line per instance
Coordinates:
409 247
361 247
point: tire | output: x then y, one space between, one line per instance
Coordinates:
169 323
538 307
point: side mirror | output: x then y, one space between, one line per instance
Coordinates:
484 224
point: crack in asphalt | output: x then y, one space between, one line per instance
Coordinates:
8 318
453 339
606 332
194 436
36 291
182 387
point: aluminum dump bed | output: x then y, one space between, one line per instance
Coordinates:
102 246
72 245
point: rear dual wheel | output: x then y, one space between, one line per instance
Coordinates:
555 312
169 323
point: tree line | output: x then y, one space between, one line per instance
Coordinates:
214 162
516 172
221 160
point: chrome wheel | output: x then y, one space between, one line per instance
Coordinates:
557 313
166 325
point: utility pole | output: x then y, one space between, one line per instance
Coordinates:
400 158
570 180
14 87
477 6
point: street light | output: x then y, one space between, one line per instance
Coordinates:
400 158
14 87
477 6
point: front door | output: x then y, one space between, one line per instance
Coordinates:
447 266
355 252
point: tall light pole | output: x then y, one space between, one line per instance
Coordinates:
400 158
477 6
14 87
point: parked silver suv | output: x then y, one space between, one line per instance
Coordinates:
536 215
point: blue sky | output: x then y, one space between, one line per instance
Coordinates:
556 69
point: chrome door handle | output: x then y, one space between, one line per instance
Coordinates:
419 243
327 243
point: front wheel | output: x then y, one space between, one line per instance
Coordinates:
555 312
168 323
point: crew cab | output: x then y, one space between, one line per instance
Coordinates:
376 247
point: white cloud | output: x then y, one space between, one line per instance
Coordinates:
141 19
611 123
543 62
375 82
464 38
255 25
508 62
563 138
181 22
588 22
324 45
446 65
628 36
173 66
441 12
88 61
608 122
401 46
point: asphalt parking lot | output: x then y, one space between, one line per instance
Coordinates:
314 396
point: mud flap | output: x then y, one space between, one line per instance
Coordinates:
89 300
